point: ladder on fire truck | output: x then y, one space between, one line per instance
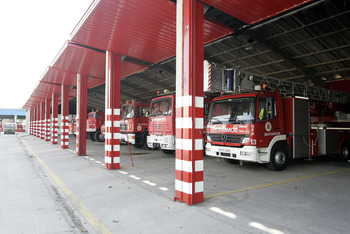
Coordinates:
244 81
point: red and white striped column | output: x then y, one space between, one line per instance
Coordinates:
31 122
112 112
189 102
82 92
42 121
54 119
65 117
47 119
37 120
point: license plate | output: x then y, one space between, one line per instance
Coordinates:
223 150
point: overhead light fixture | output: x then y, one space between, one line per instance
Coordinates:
337 76
249 45
323 78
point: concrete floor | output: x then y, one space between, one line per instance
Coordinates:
308 197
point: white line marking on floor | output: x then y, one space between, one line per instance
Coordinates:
135 177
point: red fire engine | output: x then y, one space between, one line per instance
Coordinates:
161 124
73 126
269 127
134 123
94 123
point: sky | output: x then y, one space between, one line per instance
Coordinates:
32 32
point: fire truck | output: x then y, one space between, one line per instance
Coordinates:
94 123
269 121
73 126
9 128
161 123
134 123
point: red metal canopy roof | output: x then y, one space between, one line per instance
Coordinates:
140 29
69 62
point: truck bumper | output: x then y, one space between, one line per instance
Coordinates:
246 153
166 142
125 137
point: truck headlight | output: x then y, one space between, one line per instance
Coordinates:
245 140
208 138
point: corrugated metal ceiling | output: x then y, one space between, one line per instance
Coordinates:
308 43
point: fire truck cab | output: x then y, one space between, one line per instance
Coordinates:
161 124
134 123
94 123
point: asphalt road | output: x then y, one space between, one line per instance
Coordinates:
29 203
44 189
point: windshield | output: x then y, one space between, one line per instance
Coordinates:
161 107
9 126
232 111
128 111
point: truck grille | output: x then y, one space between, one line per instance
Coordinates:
227 138
123 127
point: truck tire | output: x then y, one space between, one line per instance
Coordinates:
142 142
278 158
344 154
168 151
92 136
231 161
97 136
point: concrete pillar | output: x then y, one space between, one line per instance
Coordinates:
112 112
15 120
189 102
37 121
65 117
82 91
54 119
42 120
47 119
31 121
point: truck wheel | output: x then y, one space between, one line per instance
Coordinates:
92 136
168 151
143 141
278 158
231 161
344 154
97 136
140 145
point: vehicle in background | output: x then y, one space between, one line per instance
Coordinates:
9 128
161 124
134 123
94 123
73 126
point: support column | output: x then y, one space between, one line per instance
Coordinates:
42 120
47 119
37 129
65 117
112 113
189 102
35 120
82 91
54 120
31 122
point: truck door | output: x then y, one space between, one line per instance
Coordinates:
267 126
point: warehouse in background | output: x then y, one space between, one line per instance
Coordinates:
15 116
